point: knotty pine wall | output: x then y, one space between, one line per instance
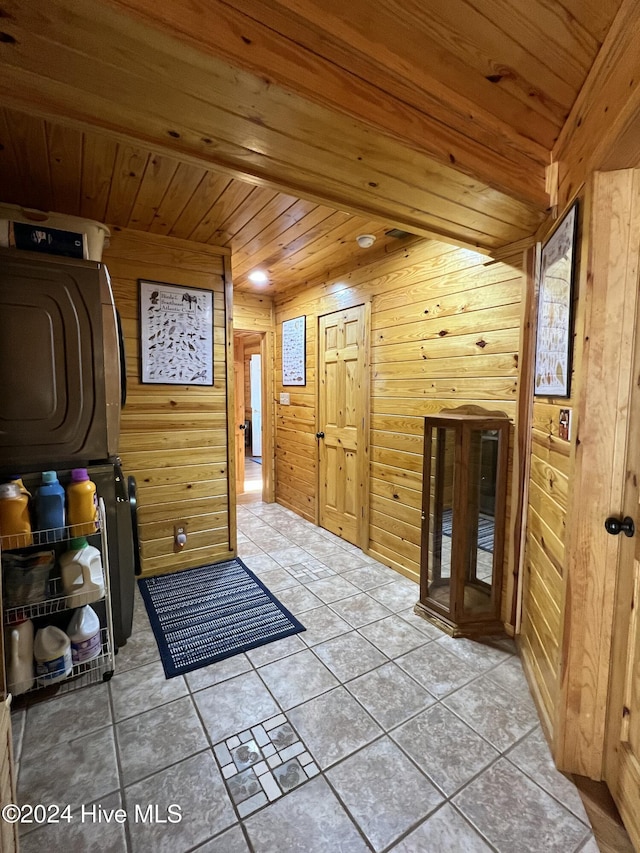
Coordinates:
445 332
174 438
551 476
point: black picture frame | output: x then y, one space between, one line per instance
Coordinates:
176 334
554 337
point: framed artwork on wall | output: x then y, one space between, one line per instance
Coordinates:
293 351
176 334
555 314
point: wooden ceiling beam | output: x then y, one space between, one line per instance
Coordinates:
448 127
89 66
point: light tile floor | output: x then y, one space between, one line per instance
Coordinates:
399 737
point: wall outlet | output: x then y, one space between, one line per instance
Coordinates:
564 424
285 398
179 535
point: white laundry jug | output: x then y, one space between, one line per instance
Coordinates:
52 651
19 652
84 633
81 572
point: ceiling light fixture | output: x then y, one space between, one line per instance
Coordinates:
258 277
365 241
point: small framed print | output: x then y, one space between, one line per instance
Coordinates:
555 315
293 351
176 334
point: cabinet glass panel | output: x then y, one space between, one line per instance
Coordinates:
481 518
441 499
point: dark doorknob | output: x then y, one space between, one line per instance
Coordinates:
614 526
319 435
242 426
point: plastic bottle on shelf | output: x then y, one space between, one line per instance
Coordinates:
52 651
84 633
81 573
82 504
50 514
18 638
15 524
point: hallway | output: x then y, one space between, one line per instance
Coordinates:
395 736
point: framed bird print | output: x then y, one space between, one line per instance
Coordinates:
176 334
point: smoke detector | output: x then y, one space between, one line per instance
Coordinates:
365 241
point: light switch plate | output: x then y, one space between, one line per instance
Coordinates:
285 399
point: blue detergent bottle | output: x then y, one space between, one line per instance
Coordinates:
50 511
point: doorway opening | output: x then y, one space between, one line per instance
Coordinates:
251 465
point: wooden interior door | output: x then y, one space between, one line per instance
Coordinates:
622 751
622 757
238 375
343 423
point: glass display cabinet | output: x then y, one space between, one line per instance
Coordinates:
463 520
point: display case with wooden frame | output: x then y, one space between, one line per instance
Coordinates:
463 520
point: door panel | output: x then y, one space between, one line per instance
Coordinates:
622 758
342 416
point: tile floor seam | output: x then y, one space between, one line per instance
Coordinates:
474 729
341 801
127 833
542 788
457 793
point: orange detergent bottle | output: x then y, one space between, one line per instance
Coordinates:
82 504
15 524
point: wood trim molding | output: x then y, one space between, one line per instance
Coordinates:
231 411
267 349
522 440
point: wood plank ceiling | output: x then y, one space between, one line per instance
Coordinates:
46 166
283 128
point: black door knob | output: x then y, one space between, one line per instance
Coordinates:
319 435
242 426
614 526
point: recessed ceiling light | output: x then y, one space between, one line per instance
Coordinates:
258 277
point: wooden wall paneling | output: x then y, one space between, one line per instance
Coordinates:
177 481
252 312
611 302
401 286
